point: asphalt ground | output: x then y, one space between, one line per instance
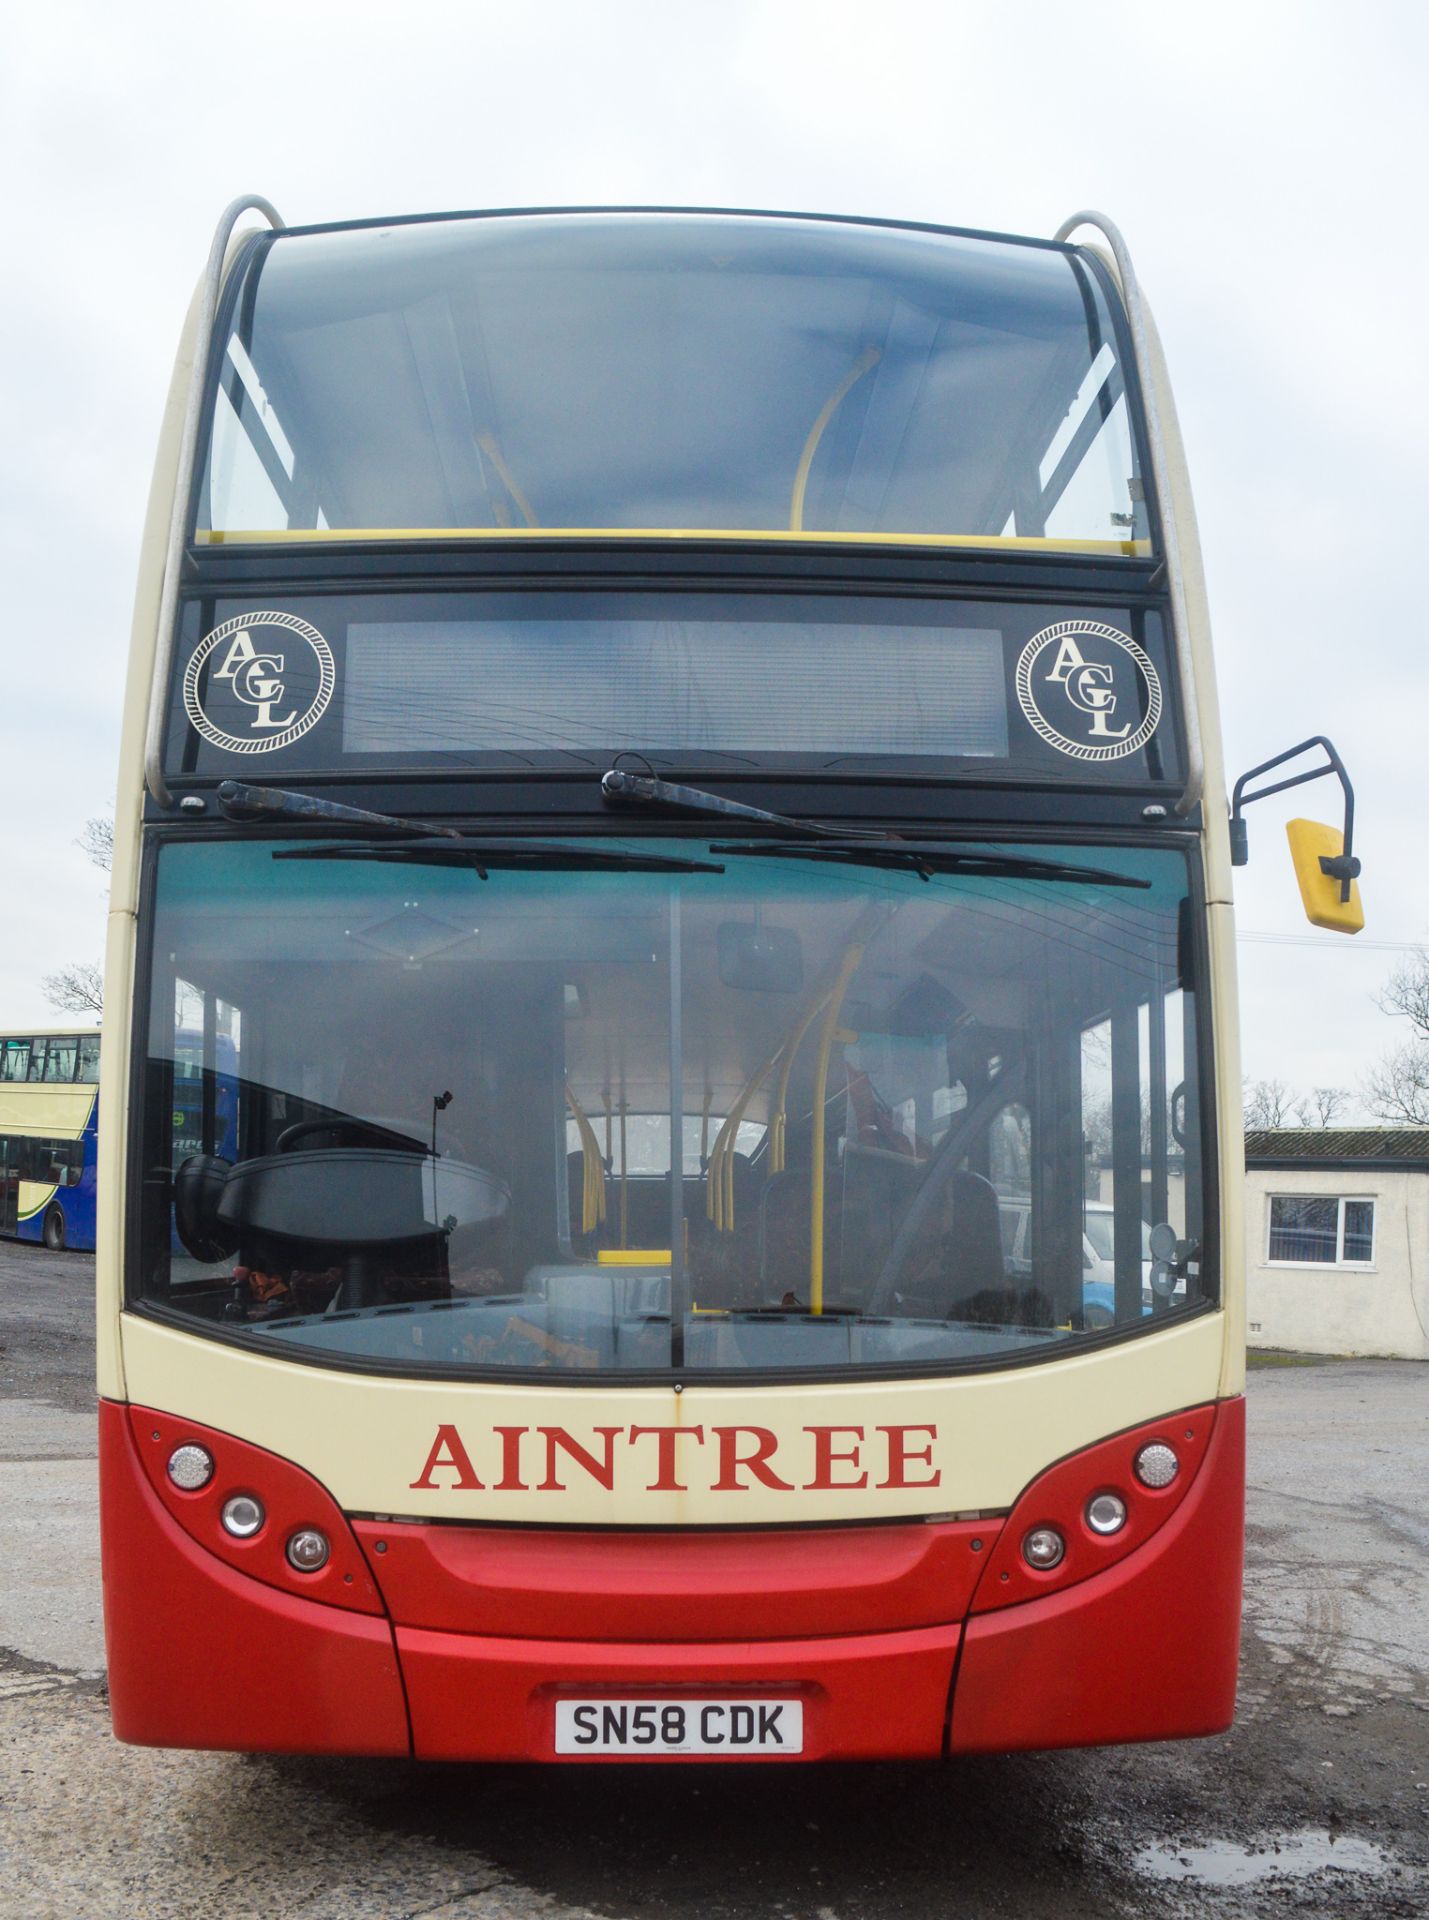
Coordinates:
1315 1803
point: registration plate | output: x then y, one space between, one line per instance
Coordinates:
730 1727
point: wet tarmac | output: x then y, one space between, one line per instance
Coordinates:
1317 1801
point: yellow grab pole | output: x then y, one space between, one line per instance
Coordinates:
781 1098
827 1035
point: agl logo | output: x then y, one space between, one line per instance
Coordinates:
1089 690
258 682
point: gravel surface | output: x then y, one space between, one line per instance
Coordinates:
1316 1803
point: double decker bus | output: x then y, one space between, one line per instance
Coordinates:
49 1083
671 809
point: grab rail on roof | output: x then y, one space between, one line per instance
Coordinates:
183 486
1156 441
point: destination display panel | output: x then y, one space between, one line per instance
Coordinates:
542 680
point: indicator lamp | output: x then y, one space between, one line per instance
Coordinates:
190 1467
1157 1465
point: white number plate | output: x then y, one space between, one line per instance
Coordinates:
729 1727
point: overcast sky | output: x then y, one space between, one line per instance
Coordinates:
1265 162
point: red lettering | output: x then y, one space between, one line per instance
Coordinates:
901 1455
730 1459
825 1459
448 1451
511 1481
599 1470
665 1438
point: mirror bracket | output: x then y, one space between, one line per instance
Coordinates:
1342 866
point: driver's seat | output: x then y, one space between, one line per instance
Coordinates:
957 1248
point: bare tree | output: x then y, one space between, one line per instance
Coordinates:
1321 1106
1407 990
1267 1103
76 989
1398 1088
97 840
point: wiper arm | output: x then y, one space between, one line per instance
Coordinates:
619 786
240 802
479 855
926 859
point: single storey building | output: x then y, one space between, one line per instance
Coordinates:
1337 1239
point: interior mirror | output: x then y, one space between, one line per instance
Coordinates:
1312 848
758 958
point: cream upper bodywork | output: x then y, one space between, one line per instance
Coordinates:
369 1438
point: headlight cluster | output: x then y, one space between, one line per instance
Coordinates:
1093 1507
263 1515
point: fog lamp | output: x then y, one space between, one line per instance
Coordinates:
1157 1465
1106 1513
308 1550
242 1516
190 1466
1043 1548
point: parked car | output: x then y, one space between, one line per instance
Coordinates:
1098 1255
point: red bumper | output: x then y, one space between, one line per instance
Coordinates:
890 1636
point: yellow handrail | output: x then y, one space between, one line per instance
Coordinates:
1030 542
592 1169
870 357
487 443
719 1173
821 1078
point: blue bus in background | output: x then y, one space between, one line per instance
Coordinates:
49 1119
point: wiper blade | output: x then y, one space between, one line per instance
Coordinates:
479 855
619 786
925 859
241 802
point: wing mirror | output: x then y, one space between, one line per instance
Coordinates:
1325 865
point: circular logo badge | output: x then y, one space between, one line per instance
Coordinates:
270 678
1088 690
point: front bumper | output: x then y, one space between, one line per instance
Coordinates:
902 1641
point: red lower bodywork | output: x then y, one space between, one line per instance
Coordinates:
902 1639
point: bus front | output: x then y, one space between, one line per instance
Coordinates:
670 1005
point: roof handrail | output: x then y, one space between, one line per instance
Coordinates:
1180 619
183 486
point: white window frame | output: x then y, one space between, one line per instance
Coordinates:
1339 1264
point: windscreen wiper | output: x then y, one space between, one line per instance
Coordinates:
621 787
927 858
240 802
478 855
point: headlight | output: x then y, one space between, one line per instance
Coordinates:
1043 1548
1106 1513
242 1516
307 1550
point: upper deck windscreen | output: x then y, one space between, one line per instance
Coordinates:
570 374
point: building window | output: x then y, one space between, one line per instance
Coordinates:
1310 1230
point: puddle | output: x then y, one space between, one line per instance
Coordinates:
1280 1856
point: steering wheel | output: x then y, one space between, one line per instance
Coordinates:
352 1132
